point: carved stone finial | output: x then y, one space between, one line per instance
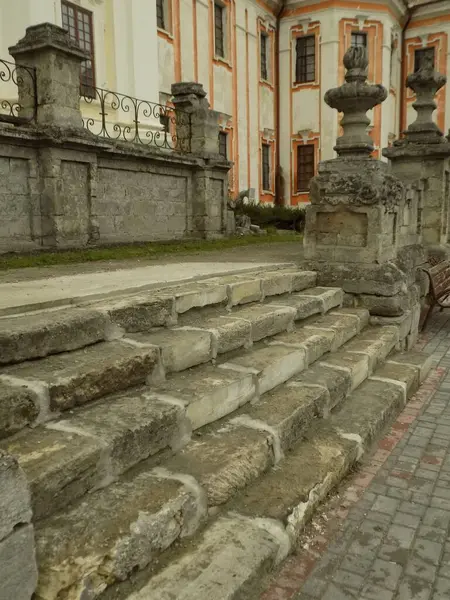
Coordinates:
354 98
425 83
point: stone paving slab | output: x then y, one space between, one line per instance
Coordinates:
386 535
39 294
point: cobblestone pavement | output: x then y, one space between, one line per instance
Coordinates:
385 536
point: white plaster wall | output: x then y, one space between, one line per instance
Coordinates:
166 61
305 109
17 15
285 108
223 89
267 120
244 122
329 53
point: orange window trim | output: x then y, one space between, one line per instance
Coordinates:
298 32
267 195
313 138
177 39
227 61
271 35
347 4
165 36
430 21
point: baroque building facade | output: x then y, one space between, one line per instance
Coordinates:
265 65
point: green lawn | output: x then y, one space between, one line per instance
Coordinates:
146 251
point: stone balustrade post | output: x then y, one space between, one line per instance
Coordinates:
57 60
203 125
422 158
352 225
211 178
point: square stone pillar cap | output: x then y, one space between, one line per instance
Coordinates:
44 36
184 88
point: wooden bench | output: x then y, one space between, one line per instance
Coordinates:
439 292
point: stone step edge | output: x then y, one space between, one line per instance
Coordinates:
162 472
184 419
79 326
283 535
171 359
34 307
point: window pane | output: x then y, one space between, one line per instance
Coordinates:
266 167
424 54
223 144
264 74
305 166
78 22
359 40
218 30
305 59
160 14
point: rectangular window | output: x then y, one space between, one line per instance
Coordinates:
223 144
264 44
359 40
160 16
424 54
305 166
305 63
78 22
219 39
266 167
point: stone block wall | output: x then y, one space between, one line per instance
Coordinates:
19 198
70 191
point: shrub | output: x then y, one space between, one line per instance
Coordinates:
267 216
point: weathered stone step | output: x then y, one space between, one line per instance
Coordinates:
198 337
228 562
95 444
63 381
120 529
223 459
331 446
36 335
281 502
91 447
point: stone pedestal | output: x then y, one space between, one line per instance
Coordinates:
211 181
57 60
422 158
203 126
354 229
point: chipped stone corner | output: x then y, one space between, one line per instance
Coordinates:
18 569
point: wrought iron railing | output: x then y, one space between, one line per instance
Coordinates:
23 80
124 118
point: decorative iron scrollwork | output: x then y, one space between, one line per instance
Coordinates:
24 80
124 118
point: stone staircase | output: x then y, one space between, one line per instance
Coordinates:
176 442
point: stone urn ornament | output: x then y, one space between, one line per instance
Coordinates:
425 83
354 98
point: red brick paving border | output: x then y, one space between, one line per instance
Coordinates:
290 579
